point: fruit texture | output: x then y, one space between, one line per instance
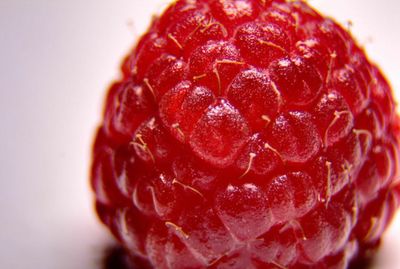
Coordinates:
247 134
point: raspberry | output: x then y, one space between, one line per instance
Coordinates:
247 134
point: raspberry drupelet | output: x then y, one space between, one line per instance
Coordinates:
247 134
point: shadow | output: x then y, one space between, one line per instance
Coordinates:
362 264
115 257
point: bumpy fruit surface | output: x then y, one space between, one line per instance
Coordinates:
247 134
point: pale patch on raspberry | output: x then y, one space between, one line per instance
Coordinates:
195 78
278 93
253 94
337 116
278 265
176 42
148 85
215 71
294 136
290 196
99 187
122 222
368 138
236 9
128 236
137 201
190 4
177 229
217 62
266 119
122 183
268 146
244 211
211 23
347 169
296 18
143 145
251 158
328 194
332 58
272 45
179 130
187 187
295 225
219 134
372 229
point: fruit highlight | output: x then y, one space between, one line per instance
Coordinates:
247 134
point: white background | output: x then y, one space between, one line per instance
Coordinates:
56 60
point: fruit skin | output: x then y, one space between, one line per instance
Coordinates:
247 134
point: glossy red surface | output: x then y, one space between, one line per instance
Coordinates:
247 134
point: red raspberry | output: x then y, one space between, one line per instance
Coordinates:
247 134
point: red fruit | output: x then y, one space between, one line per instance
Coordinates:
244 211
247 134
